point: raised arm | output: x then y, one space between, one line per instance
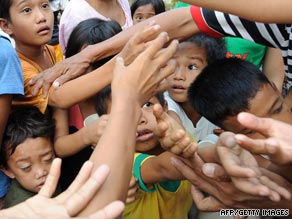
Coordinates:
255 10
132 86
178 23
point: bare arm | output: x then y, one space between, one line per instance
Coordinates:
273 67
131 87
267 11
159 168
5 105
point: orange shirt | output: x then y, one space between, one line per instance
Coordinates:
29 70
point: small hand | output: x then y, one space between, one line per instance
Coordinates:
172 135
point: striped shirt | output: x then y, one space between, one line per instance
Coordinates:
219 24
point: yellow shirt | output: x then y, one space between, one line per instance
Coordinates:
167 200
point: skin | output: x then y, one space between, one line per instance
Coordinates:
191 60
143 12
36 18
30 163
71 201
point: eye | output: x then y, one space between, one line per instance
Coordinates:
26 10
45 5
148 104
48 159
192 67
278 110
25 168
138 17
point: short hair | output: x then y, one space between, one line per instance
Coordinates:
158 5
24 122
89 32
102 97
225 88
215 47
5 8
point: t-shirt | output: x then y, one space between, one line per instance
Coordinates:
203 127
170 199
219 24
11 81
79 10
31 69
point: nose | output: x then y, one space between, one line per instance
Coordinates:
143 119
40 171
179 73
40 16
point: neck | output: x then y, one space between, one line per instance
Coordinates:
192 114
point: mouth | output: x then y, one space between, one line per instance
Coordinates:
40 185
178 88
44 30
144 135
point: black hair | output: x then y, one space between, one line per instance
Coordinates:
158 5
224 89
89 32
24 122
5 9
215 47
102 97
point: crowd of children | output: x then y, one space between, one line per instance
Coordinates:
156 97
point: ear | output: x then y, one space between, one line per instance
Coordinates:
7 172
5 26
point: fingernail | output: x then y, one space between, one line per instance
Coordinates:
56 84
208 170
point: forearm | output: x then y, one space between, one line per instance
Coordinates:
116 149
70 144
177 23
250 9
81 88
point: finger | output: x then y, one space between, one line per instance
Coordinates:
112 210
80 179
164 57
37 86
51 182
251 186
275 187
232 163
87 191
149 33
265 126
205 203
215 171
164 73
62 80
190 150
256 146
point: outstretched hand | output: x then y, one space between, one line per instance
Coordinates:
277 145
171 134
69 203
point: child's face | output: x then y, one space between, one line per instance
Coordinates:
31 22
146 140
190 60
267 103
30 163
143 12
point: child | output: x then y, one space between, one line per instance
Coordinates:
230 86
161 194
192 56
143 9
27 152
79 10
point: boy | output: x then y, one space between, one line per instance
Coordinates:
192 56
26 153
230 86
158 181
